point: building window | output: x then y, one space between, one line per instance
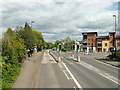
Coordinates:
92 44
104 50
118 44
88 43
89 39
92 39
105 44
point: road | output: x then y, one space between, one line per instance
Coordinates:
52 75
89 73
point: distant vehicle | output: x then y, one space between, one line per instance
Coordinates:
112 50
54 49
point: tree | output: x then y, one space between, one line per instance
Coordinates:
57 43
27 35
37 38
67 43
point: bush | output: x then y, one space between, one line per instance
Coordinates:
65 49
118 55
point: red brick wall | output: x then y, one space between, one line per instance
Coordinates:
111 39
90 36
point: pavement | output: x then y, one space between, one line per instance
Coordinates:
29 70
90 73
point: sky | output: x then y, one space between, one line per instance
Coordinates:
57 19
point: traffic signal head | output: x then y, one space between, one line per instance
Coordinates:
59 46
73 46
77 47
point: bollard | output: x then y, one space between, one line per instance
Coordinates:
87 53
73 56
59 59
78 58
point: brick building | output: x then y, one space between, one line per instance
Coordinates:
89 41
94 43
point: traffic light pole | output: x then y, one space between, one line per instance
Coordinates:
59 52
78 57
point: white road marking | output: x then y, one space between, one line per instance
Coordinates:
75 88
66 74
100 72
106 64
59 65
47 58
110 78
74 79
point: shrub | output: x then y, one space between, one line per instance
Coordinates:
65 49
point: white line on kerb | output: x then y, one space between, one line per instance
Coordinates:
76 82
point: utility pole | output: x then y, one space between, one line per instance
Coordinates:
115 34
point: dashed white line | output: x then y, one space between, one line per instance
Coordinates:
74 79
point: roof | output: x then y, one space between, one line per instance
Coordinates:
111 32
103 37
89 33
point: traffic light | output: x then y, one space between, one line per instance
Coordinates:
73 46
77 47
59 47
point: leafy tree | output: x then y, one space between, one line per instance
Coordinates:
67 43
57 43
37 38
27 35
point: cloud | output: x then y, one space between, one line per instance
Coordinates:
61 19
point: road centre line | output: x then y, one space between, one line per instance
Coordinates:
74 79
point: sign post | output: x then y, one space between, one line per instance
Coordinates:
60 52
78 57
35 46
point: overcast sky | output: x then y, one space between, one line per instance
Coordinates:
60 19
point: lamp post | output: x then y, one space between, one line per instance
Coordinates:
115 33
31 23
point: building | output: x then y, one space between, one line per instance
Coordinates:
118 42
102 43
94 43
89 41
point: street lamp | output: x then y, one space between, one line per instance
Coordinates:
115 33
31 23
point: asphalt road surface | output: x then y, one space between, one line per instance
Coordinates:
89 73
52 75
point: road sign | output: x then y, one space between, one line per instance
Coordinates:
35 46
